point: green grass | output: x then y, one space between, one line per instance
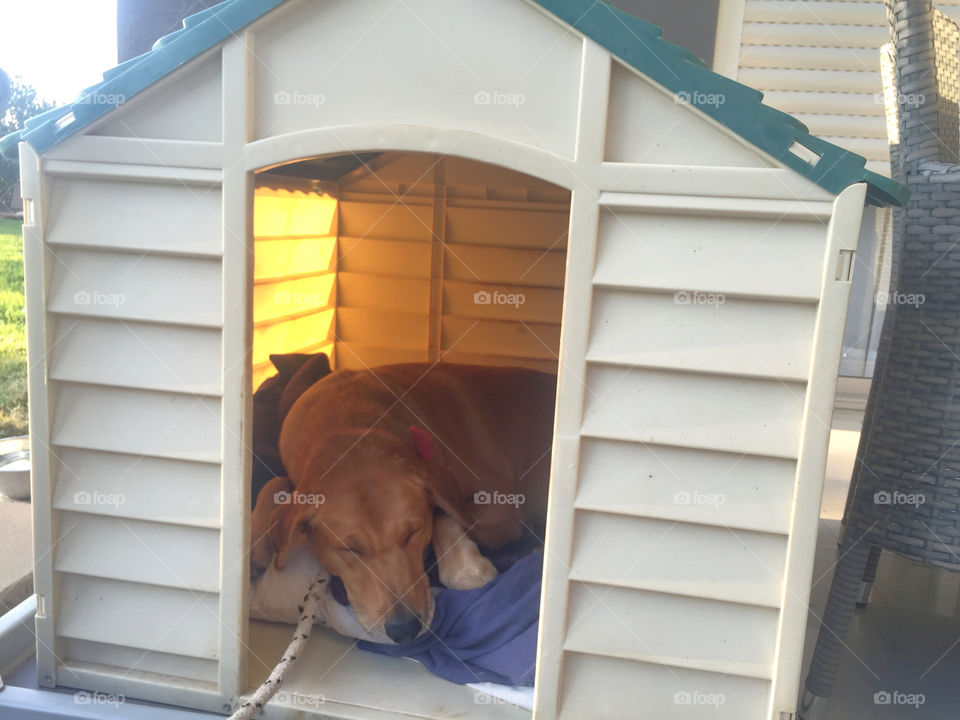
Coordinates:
13 348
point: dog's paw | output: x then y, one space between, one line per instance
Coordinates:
469 575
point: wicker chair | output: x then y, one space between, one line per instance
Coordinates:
905 491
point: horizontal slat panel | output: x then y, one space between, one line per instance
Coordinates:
136 287
775 258
836 103
275 300
136 216
280 213
509 267
806 58
394 220
274 259
812 80
694 560
507 228
850 126
487 301
141 355
698 331
134 660
679 631
532 340
392 294
179 691
137 421
716 207
870 148
353 356
291 335
402 258
172 491
610 689
167 620
696 486
146 552
815 12
761 417
373 327
818 35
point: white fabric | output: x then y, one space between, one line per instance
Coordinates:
276 596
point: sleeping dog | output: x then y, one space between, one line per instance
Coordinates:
381 463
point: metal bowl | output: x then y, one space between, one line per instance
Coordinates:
15 467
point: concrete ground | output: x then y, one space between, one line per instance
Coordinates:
16 553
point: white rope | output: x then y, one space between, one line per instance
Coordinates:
308 615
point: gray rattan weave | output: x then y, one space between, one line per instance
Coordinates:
905 491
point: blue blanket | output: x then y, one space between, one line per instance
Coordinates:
484 635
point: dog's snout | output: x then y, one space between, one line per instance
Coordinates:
404 626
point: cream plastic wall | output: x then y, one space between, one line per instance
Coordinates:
704 294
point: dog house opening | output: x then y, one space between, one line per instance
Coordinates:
366 260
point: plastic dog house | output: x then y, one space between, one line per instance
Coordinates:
683 251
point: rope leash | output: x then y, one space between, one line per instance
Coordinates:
269 687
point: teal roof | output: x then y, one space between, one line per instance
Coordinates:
634 41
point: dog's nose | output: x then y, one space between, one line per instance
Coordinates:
403 627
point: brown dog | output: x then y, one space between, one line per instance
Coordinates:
373 456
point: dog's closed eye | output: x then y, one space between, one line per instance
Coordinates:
354 548
410 534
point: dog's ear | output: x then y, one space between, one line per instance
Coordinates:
289 525
443 488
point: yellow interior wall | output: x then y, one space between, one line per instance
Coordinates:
294 275
389 270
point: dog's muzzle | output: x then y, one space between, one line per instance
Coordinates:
404 626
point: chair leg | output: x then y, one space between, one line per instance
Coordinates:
869 575
833 628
